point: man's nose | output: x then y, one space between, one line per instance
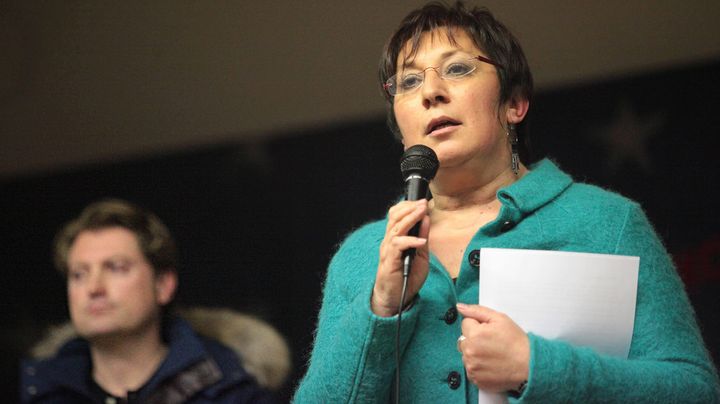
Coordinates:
96 283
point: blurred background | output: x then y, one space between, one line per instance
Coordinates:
256 131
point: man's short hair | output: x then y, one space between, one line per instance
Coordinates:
154 238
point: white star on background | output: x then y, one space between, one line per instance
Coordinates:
626 137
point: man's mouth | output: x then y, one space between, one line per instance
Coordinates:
98 308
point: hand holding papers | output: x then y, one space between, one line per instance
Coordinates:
581 298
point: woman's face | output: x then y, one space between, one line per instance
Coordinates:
459 119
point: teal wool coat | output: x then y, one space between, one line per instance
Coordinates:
353 358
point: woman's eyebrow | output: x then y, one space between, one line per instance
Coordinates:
410 63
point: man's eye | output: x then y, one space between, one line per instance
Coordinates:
118 266
458 69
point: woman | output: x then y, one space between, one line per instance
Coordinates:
458 82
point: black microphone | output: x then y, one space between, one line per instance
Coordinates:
418 165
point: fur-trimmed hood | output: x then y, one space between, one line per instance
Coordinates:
263 351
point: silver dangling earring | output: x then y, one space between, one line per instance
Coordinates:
514 156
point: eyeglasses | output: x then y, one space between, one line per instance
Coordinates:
451 69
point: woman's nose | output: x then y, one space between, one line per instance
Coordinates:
434 88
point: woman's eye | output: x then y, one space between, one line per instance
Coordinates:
410 81
458 69
75 275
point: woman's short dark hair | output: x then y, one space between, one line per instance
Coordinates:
154 238
489 35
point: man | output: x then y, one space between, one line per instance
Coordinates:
120 265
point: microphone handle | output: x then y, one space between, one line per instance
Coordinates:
409 254
416 189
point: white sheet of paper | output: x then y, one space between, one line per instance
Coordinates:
581 298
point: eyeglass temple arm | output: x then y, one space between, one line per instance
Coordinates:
486 60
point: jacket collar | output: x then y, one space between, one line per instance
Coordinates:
71 368
185 349
542 184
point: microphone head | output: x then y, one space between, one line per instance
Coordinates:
420 160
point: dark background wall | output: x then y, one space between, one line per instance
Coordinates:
258 221
85 81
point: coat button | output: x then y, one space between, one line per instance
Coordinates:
474 258
450 315
454 380
32 390
507 225
30 370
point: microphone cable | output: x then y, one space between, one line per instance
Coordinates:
397 338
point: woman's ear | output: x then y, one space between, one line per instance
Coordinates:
517 109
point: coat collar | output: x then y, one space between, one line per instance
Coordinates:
71 368
542 184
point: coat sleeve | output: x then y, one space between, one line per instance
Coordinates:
353 357
667 362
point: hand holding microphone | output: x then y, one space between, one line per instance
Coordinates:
405 243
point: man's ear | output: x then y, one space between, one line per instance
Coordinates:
517 109
165 286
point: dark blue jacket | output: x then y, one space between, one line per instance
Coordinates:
196 370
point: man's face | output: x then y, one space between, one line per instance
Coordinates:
112 289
